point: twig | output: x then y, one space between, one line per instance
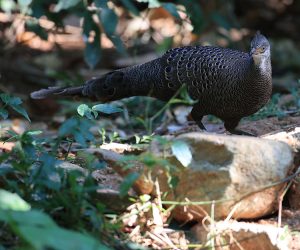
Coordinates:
232 212
212 227
158 113
69 149
158 194
237 243
280 205
280 199
156 238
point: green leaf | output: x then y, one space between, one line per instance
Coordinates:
101 3
12 201
38 10
182 152
194 11
68 126
24 2
12 133
35 27
151 3
137 139
173 181
65 4
154 3
149 160
7 6
5 98
59 239
3 113
106 108
131 7
221 20
41 232
95 113
24 5
109 20
171 8
92 52
46 174
29 218
89 24
79 137
145 197
127 183
34 132
11 100
84 110
21 111
165 44
14 100
116 40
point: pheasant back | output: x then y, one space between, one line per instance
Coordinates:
227 83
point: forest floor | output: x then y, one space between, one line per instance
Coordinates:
25 70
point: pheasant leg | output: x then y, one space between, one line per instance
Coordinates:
231 125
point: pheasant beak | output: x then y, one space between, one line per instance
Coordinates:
256 51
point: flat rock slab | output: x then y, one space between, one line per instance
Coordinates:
237 172
265 126
243 235
290 137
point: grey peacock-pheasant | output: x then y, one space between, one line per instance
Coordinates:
227 83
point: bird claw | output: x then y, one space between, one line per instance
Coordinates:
240 132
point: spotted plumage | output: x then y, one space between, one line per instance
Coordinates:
227 83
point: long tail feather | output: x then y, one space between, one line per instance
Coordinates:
56 91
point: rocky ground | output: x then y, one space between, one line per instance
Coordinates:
241 191
227 192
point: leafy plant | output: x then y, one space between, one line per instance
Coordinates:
13 102
296 95
33 171
178 148
143 139
271 109
38 230
128 183
12 202
180 97
77 128
92 113
40 178
100 16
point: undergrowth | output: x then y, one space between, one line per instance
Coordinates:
42 204
45 203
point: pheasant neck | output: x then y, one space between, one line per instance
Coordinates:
262 63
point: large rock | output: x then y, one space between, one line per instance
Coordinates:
292 138
235 171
